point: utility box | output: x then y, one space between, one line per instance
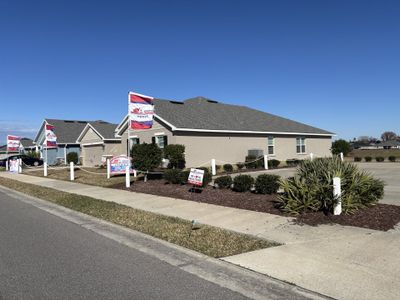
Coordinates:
256 152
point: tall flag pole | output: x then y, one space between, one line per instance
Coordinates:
140 111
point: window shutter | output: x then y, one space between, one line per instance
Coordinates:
165 140
153 140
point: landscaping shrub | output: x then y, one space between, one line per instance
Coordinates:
176 155
146 157
184 176
379 158
251 162
357 159
311 188
172 176
368 158
341 146
392 158
273 163
207 176
33 154
292 162
72 156
267 184
228 168
223 182
242 183
240 165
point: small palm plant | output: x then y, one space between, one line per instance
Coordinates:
311 189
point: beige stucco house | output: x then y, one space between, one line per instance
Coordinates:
98 142
225 132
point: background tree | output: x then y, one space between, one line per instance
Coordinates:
388 136
341 146
146 157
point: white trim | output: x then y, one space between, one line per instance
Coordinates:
159 133
85 130
93 144
273 145
134 137
301 145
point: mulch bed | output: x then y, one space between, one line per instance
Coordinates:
379 217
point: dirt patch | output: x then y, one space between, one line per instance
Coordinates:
379 217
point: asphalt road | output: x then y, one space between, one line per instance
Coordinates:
43 256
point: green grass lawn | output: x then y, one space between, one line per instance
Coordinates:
375 152
212 241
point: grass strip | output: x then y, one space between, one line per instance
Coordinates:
209 240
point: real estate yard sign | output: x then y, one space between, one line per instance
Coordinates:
118 164
13 165
196 177
13 143
140 112
51 138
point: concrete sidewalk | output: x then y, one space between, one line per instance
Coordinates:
338 261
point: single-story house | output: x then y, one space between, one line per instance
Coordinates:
390 145
26 145
67 132
98 142
210 129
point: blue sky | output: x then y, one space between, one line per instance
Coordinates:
331 64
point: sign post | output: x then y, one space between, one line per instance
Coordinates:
72 171
266 162
196 177
127 177
336 194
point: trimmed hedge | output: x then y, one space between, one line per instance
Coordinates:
392 158
292 162
72 156
368 158
267 184
172 176
357 159
243 183
379 158
223 182
228 168
273 163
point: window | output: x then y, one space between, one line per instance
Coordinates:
160 140
301 145
271 145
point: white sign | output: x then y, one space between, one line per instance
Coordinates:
13 165
118 164
196 177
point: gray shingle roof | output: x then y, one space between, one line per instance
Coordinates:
67 131
389 144
107 130
27 142
206 114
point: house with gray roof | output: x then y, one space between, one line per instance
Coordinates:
67 132
26 145
210 129
98 142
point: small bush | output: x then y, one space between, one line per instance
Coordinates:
176 155
184 176
240 165
228 168
357 159
243 183
267 184
172 176
392 158
368 158
207 178
223 182
273 163
72 156
146 157
251 162
379 158
292 162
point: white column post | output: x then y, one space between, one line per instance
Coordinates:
337 194
71 171
341 156
213 167
266 162
7 167
108 168
19 166
127 177
45 169
134 173
311 156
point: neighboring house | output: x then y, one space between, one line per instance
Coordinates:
26 145
390 145
98 142
67 132
210 129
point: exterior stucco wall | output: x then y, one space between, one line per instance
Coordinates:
233 149
92 155
90 137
